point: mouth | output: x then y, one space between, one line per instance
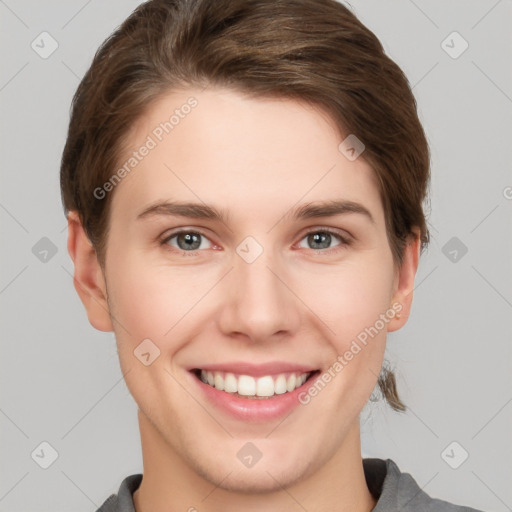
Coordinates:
250 387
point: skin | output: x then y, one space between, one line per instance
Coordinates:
256 159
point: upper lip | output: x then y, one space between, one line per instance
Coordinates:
256 370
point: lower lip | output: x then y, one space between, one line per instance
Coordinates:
255 410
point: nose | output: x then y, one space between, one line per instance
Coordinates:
258 302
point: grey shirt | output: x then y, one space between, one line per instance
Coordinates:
394 490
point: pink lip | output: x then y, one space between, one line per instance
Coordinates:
256 370
254 410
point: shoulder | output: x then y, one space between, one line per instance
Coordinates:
395 490
123 500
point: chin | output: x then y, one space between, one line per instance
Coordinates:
263 478
263 481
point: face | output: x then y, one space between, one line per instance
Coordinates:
260 281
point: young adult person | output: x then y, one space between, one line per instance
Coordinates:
244 186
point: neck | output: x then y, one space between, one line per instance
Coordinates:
170 484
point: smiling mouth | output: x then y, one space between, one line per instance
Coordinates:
247 386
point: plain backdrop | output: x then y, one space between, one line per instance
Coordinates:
60 379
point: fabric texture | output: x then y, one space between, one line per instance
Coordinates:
394 491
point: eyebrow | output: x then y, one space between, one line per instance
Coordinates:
305 211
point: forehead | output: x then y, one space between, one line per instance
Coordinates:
252 154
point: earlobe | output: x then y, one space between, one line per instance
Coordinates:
405 283
88 276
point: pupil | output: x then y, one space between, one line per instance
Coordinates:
317 238
190 240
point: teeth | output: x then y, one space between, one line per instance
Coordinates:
280 385
219 382
290 384
249 386
264 386
230 384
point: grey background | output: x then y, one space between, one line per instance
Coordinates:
60 379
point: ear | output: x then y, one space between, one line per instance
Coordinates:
88 277
404 282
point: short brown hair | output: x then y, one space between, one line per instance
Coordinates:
311 50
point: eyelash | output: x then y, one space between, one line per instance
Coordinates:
344 242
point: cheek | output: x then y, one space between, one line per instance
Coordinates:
353 303
147 305
348 298
141 301
168 305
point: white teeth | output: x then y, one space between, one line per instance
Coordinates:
219 382
280 386
247 385
292 380
265 386
230 384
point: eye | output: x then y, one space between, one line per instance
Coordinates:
322 239
187 241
